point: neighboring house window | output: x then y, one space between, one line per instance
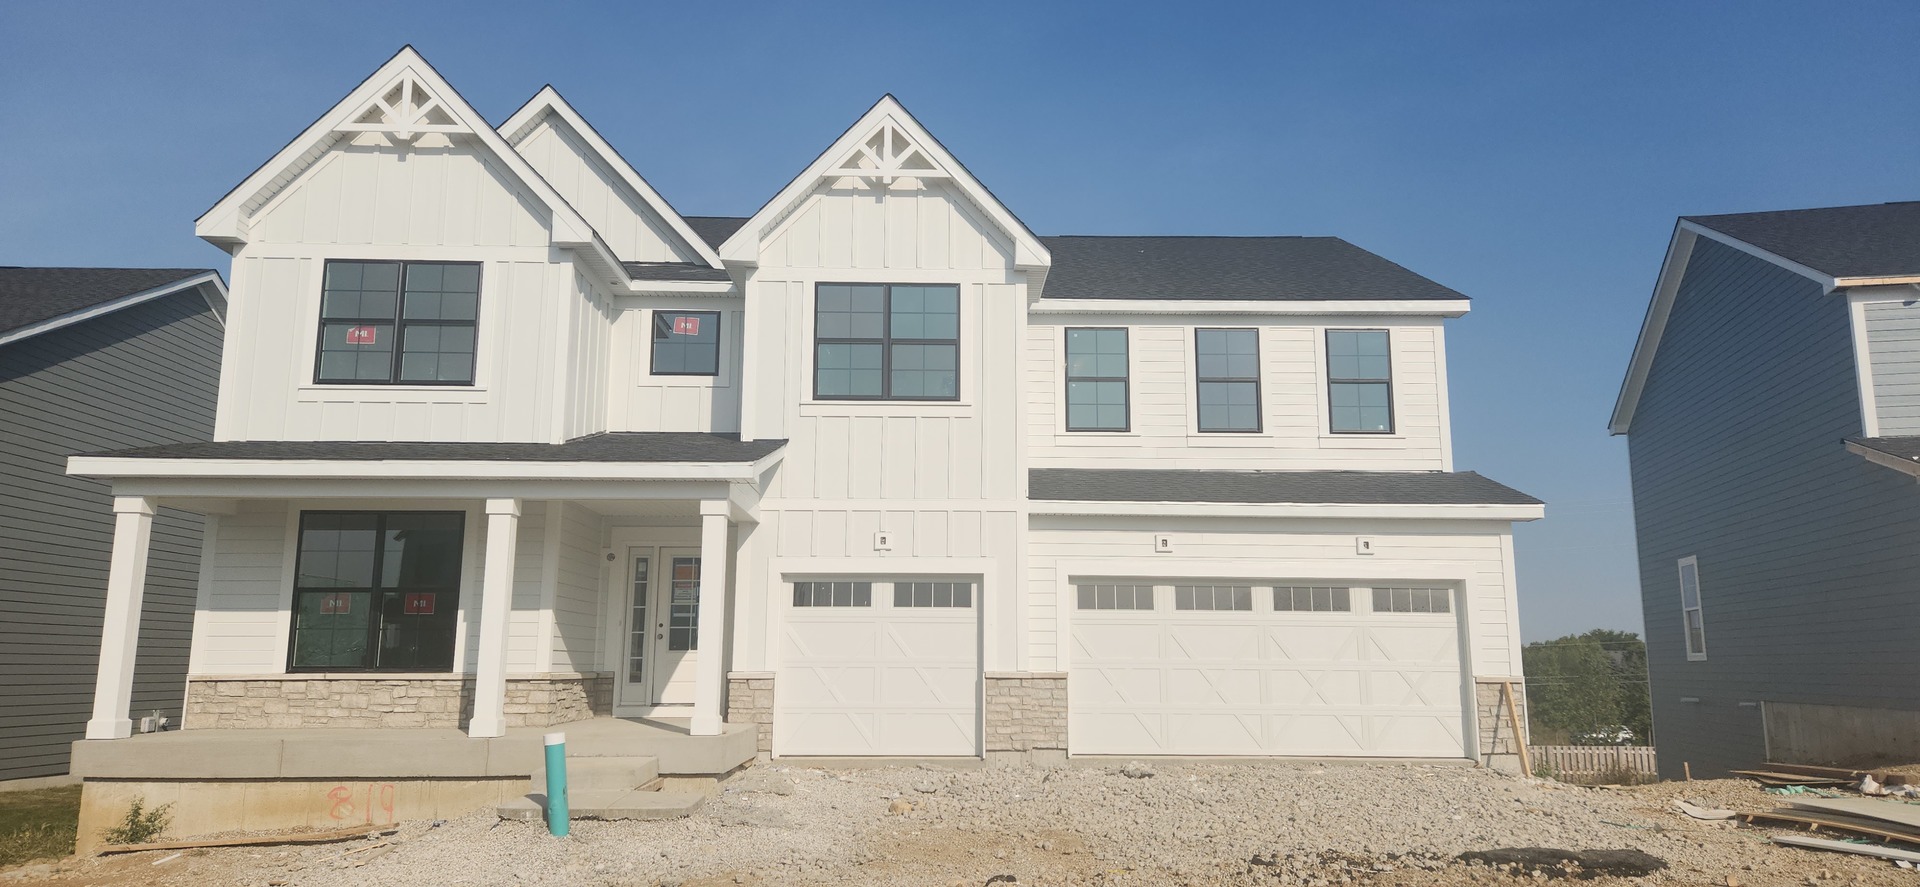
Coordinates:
1316 599
886 342
1096 379
398 323
1412 600
1212 597
833 594
686 343
1227 364
376 591
1690 610
1115 597
1359 382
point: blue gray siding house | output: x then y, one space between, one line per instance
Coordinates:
92 359
1769 411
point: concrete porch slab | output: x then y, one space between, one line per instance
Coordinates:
669 740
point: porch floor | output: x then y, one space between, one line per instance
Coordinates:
413 753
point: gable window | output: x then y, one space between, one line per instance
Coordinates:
376 591
1359 382
398 323
1690 613
1096 379
886 342
1227 364
686 343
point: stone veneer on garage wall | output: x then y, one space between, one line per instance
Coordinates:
1026 716
750 701
373 701
1497 748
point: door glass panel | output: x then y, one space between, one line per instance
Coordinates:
637 625
683 610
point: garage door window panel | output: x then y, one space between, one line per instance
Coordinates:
1115 597
932 594
1213 597
1412 600
1312 599
833 594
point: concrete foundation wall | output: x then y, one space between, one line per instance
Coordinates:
213 806
1499 748
370 701
1026 717
1841 734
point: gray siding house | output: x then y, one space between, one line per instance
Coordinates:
92 359
1771 410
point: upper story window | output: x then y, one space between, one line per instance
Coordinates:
376 591
1691 614
398 323
886 342
686 343
1227 364
1096 379
1359 382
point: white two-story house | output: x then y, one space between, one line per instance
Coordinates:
504 441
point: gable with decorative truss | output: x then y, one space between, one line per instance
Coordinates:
405 111
887 154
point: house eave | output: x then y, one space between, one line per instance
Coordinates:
1490 512
90 312
1340 307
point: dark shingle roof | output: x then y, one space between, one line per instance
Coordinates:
1876 240
1898 447
715 229
31 295
673 271
1263 268
1271 487
664 446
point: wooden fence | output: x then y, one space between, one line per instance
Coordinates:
1592 760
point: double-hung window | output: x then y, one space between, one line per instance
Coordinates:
398 323
376 591
686 343
1359 382
1691 615
1227 364
886 342
1096 379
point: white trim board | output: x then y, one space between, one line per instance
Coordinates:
1351 307
108 307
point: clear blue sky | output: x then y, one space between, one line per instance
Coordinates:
1531 155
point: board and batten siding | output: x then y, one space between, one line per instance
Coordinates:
623 219
1893 347
139 376
1293 399
1807 564
642 401
1467 555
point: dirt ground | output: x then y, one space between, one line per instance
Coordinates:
1269 824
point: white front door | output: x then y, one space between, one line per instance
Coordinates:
662 589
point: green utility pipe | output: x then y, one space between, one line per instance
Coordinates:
557 784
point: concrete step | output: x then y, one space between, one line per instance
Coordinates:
607 772
608 804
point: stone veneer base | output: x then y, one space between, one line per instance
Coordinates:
374 701
1498 748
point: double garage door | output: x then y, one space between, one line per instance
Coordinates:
1244 669
879 668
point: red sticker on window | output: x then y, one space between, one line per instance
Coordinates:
335 604
361 335
419 604
686 326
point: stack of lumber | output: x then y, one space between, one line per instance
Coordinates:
1778 774
1873 819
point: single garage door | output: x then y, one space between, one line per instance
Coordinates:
1242 669
879 668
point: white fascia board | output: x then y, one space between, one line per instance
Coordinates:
135 467
1349 307
684 287
92 311
1310 510
744 245
1904 466
549 101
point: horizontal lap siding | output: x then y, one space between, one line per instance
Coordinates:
578 592
1893 338
1809 577
143 375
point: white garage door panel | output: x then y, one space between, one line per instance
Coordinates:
1263 682
878 680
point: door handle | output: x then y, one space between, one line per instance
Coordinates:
660 636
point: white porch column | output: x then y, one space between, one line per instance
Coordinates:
709 676
496 604
120 630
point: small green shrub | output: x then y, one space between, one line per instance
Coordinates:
141 825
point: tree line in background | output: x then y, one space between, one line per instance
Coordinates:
1589 689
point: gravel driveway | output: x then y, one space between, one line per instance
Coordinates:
1199 824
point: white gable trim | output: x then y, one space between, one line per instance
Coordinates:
548 101
128 301
227 222
744 245
1410 307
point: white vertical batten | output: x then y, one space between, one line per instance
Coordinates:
496 600
120 629
709 685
